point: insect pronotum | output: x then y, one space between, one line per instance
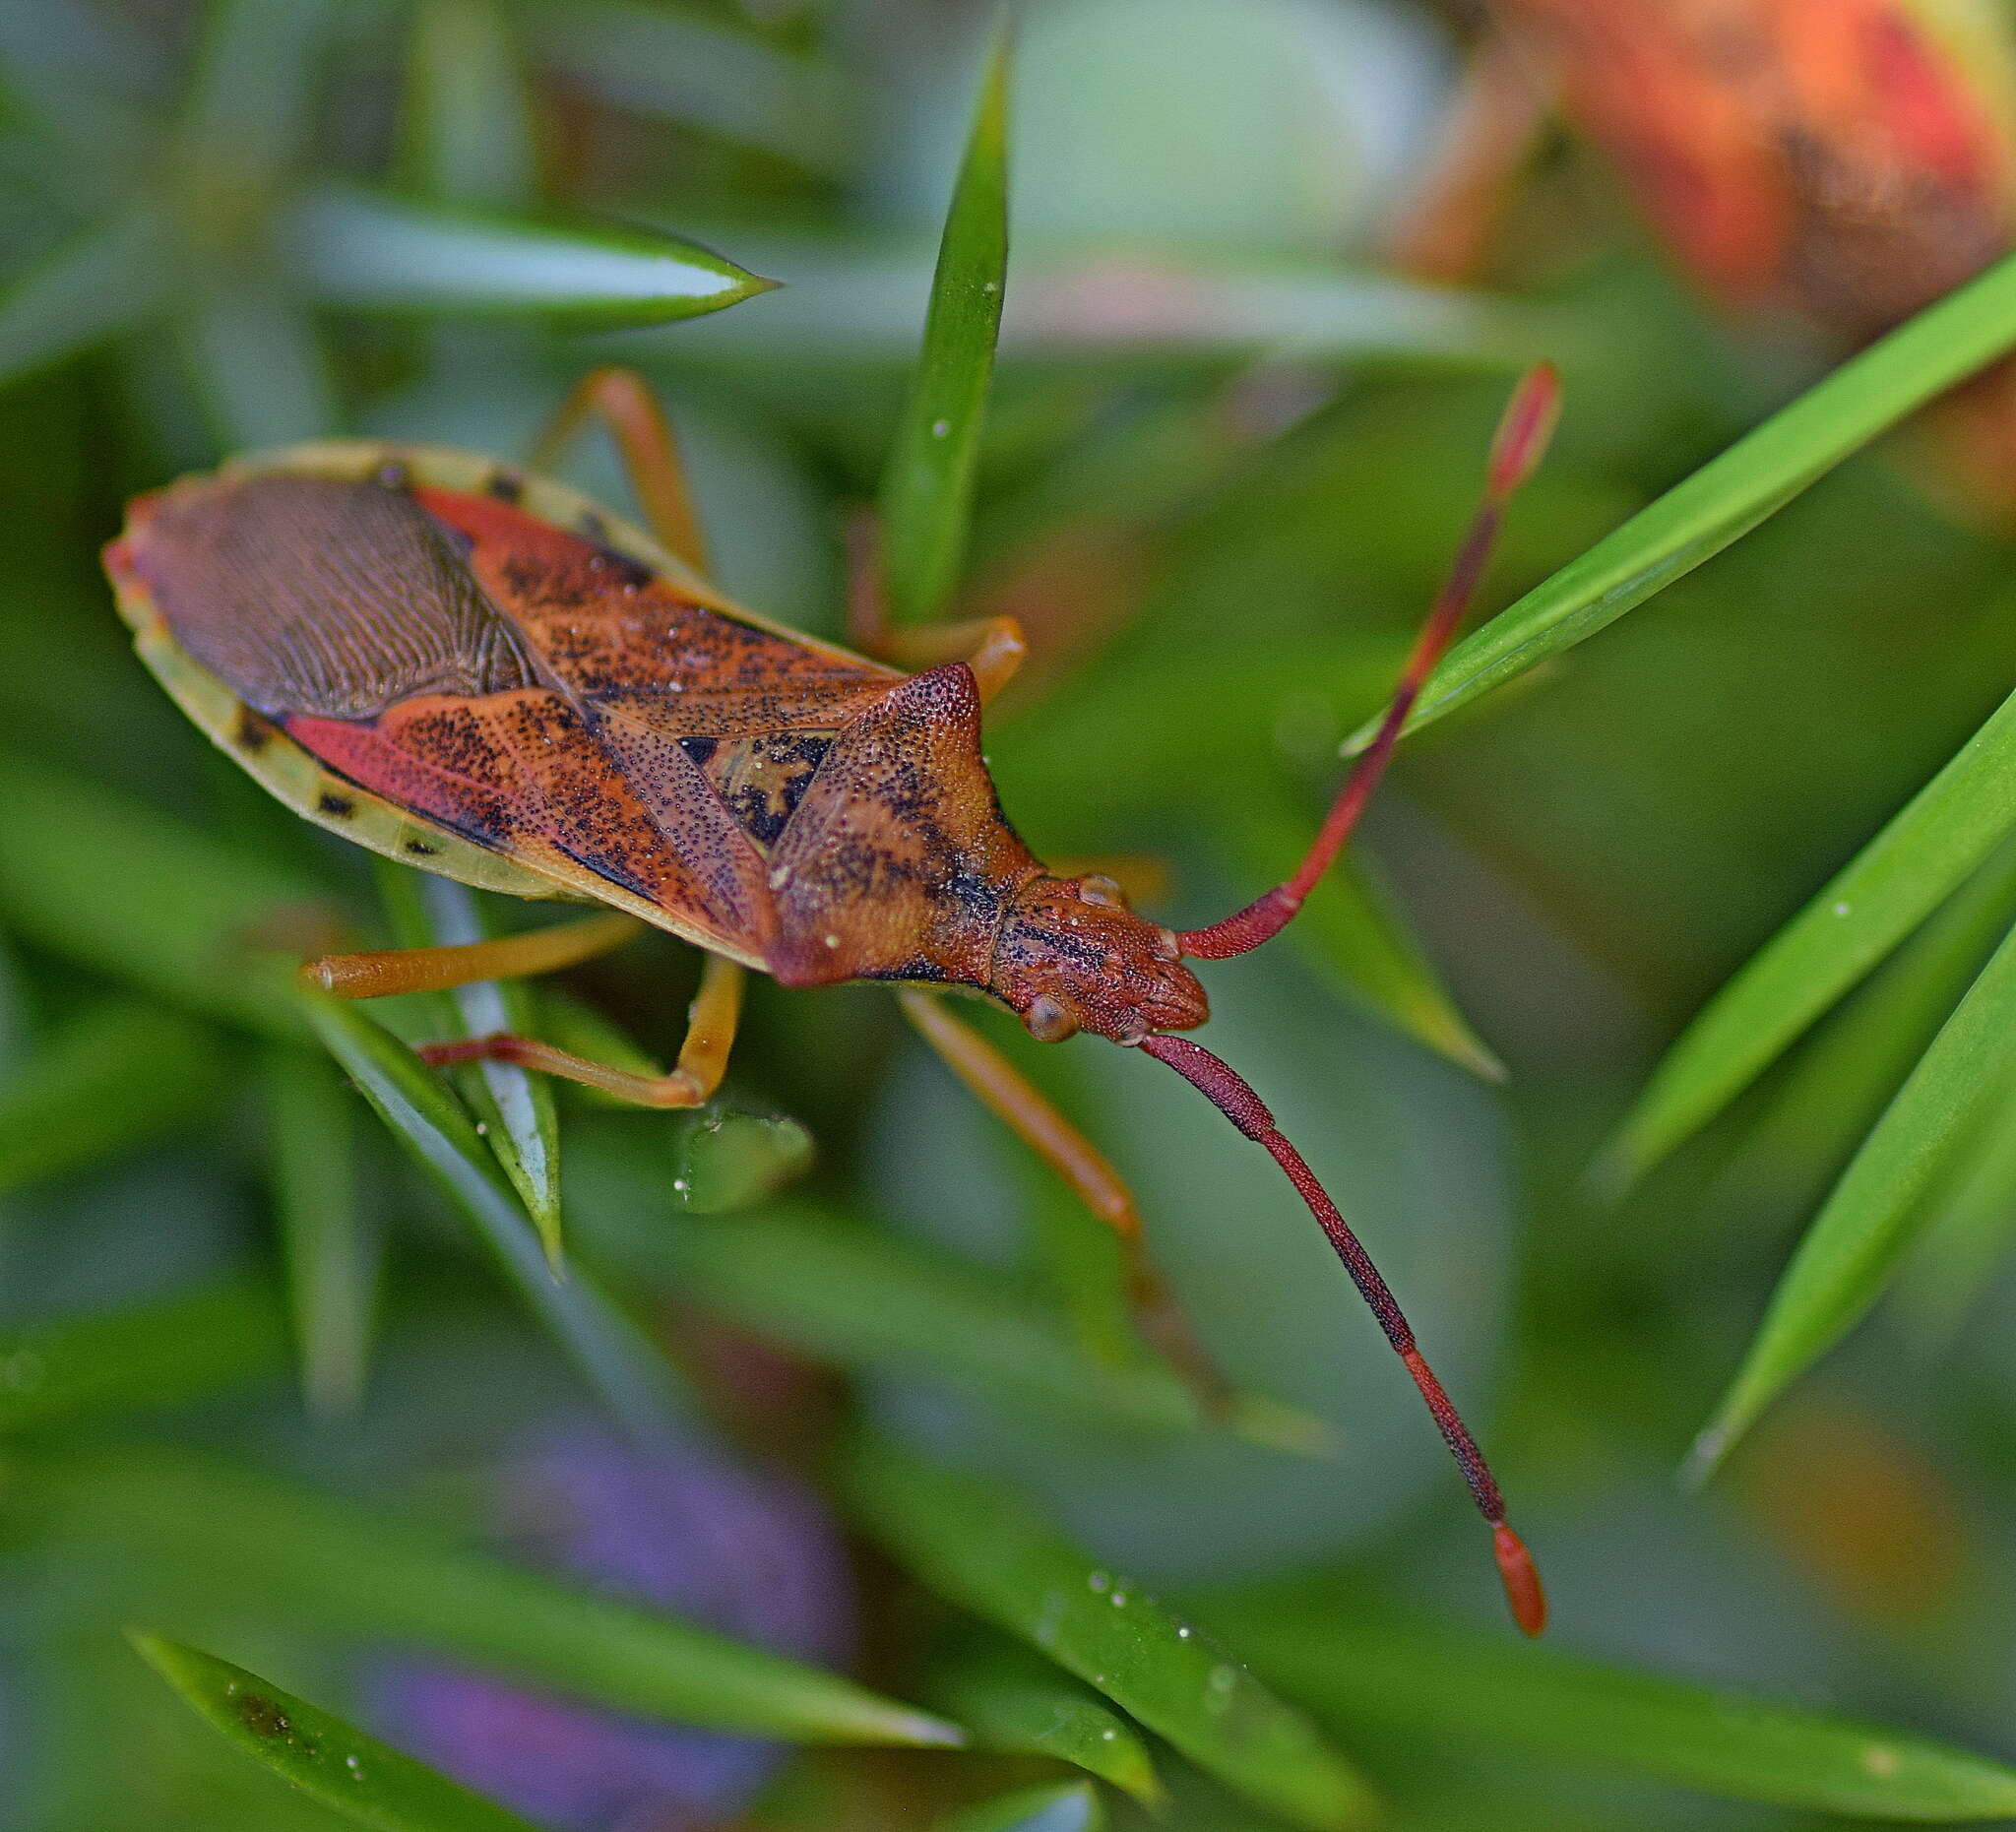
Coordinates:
474 669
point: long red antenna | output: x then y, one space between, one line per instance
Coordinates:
1231 1093
1516 451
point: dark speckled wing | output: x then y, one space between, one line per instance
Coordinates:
528 775
753 712
354 616
639 650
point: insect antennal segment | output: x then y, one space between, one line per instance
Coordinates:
1521 441
1231 1095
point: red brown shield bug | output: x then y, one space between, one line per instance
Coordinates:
475 670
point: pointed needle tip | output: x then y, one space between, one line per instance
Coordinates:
1610 1176
1705 1458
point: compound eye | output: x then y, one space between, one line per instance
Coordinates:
1050 1021
1102 892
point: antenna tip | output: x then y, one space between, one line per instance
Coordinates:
1524 431
1521 1579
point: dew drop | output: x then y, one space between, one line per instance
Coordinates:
940 428
1099 1581
1840 910
1119 1600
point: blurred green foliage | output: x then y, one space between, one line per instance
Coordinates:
1220 467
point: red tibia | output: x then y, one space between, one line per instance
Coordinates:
1234 1097
1521 439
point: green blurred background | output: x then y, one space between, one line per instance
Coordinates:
1225 460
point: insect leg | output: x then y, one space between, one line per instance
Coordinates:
436 969
1017 1102
624 402
703 1056
992 647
